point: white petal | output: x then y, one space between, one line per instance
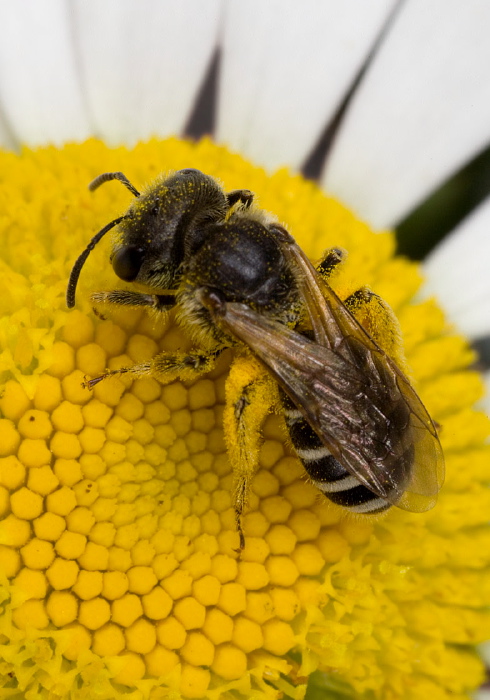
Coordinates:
484 651
40 94
286 66
458 273
143 62
482 695
7 138
421 112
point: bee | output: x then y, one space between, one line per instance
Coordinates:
238 279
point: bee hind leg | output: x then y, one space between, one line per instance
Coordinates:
379 320
372 312
250 396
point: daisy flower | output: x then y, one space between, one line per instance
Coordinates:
118 564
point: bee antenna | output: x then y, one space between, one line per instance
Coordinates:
106 177
77 267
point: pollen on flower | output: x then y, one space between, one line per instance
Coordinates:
62 608
26 504
62 574
118 536
229 662
49 526
141 636
109 640
31 614
128 668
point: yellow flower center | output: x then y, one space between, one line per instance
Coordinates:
117 538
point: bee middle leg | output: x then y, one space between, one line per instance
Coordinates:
250 396
330 261
165 367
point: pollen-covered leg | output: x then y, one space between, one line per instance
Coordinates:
166 367
245 197
250 396
122 297
331 259
377 317
372 312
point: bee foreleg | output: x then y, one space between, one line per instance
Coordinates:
378 318
245 197
250 395
123 297
165 367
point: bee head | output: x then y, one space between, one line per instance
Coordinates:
163 225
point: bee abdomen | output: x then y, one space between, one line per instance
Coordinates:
326 473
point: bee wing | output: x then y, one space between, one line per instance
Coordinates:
355 399
333 324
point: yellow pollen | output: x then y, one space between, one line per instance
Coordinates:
120 575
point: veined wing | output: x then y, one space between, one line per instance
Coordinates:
355 398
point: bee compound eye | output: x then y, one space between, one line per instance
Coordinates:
126 262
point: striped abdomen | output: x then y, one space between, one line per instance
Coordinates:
326 473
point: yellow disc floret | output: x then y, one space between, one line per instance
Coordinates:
118 542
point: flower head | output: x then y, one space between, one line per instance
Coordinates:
118 532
